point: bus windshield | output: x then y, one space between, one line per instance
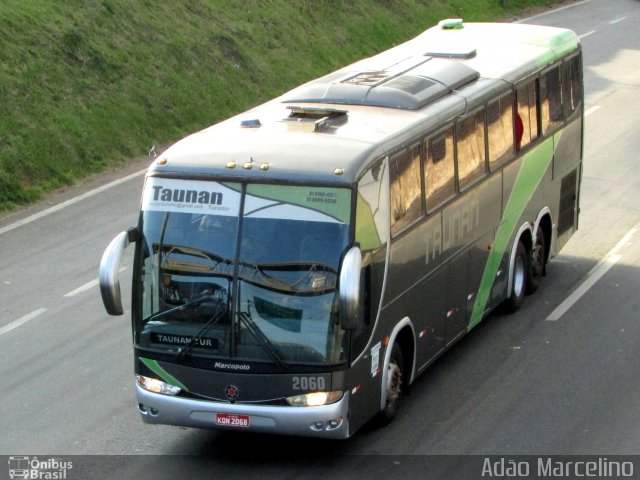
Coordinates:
256 286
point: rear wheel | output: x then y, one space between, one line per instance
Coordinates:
538 262
394 385
519 275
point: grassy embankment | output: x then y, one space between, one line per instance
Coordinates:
87 85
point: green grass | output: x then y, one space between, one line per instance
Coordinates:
89 85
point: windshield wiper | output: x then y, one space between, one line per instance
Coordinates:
262 339
182 351
182 307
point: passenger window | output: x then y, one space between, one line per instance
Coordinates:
406 188
500 130
372 207
527 114
470 145
440 174
552 111
572 85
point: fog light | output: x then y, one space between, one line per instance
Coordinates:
157 386
314 399
333 424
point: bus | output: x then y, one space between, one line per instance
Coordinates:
19 467
297 266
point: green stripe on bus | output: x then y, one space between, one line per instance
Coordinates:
155 367
534 165
558 46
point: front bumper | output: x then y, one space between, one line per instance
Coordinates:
299 421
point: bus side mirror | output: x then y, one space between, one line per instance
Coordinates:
109 267
350 288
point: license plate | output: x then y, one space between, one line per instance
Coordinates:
232 420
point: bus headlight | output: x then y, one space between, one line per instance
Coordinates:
157 386
314 399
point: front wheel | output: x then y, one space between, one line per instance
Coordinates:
394 386
519 275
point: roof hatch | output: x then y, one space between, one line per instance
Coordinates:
409 84
320 116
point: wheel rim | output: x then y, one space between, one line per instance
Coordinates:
394 382
518 276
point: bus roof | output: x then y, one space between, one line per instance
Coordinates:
329 129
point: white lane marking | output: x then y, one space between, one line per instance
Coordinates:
83 288
595 274
69 202
87 286
591 110
592 277
22 320
585 35
551 11
617 20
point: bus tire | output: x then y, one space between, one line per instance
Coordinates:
537 268
394 386
519 276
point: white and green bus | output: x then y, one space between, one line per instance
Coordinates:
299 265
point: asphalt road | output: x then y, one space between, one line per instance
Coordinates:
554 379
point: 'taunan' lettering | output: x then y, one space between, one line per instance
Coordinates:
202 197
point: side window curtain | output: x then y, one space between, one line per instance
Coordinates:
440 174
470 144
572 85
527 114
551 107
500 130
406 188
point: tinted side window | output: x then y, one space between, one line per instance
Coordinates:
572 85
500 130
406 188
527 114
552 111
440 174
372 207
470 146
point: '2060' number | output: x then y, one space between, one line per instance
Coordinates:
309 383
